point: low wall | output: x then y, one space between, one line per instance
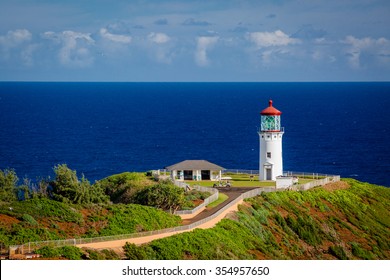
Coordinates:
193 213
206 202
317 183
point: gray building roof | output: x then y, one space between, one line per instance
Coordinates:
194 165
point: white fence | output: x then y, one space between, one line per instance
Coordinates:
241 171
206 202
309 175
317 183
31 246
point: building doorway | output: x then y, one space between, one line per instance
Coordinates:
188 175
268 174
205 174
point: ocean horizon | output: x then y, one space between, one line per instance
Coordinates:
104 128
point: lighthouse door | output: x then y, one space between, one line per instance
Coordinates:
268 173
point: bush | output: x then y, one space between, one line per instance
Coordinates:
306 228
131 218
27 218
133 252
338 252
110 254
71 252
68 188
121 188
165 196
361 253
43 208
48 252
8 188
68 252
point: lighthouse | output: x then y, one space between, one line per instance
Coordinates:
271 134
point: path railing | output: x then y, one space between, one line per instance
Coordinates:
206 202
31 246
241 171
309 175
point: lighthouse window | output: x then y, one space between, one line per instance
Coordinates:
268 155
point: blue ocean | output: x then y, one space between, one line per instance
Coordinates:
100 129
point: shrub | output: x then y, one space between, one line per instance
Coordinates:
68 188
164 195
132 218
110 254
48 252
306 228
68 252
133 252
122 187
361 253
338 252
43 208
8 189
27 218
71 253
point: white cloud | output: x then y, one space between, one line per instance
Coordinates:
74 49
15 37
203 44
275 47
161 47
271 39
379 49
17 43
117 38
159 38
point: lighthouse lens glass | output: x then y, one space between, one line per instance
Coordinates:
270 123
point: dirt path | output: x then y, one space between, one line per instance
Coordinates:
232 193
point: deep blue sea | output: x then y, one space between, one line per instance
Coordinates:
100 129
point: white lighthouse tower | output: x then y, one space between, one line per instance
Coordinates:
271 134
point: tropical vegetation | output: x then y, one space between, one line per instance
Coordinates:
344 220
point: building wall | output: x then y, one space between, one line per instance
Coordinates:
271 142
196 175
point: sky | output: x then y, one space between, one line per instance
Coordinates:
201 41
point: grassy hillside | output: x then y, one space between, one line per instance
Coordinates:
122 187
344 220
45 219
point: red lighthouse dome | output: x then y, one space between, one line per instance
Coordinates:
270 110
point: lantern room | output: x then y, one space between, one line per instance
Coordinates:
270 119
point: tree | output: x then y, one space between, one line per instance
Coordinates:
68 188
41 190
8 188
165 196
65 185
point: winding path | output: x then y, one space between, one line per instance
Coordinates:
232 193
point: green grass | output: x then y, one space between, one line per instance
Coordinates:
235 183
75 253
304 181
44 219
221 198
351 223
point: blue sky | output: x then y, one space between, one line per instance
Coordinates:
222 40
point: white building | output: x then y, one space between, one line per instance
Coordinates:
270 133
196 170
